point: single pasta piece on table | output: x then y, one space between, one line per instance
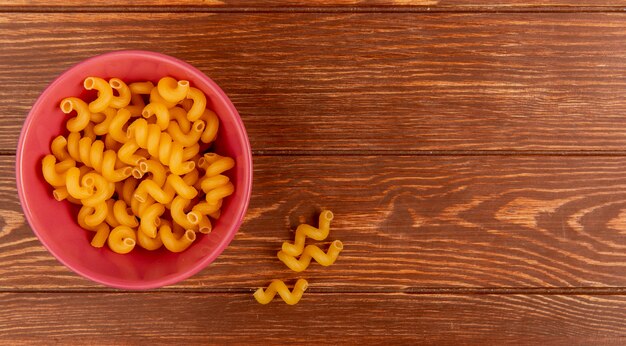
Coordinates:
305 230
312 252
278 286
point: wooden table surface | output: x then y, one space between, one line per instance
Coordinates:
473 151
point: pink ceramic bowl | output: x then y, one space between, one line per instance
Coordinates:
54 222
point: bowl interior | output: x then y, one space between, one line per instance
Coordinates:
54 222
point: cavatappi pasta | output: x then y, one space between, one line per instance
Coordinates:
289 253
305 230
278 286
133 160
312 252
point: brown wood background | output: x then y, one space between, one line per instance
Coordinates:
474 154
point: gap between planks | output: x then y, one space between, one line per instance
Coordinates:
320 9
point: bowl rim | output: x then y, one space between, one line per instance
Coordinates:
247 153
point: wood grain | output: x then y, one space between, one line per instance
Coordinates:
407 223
198 318
367 83
428 5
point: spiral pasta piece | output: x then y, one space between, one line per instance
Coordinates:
156 170
102 127
189 153
139 208
116 127
191 178
58 147
179 116
172 90
60 194
93 216
303 231
110 219
214 164
97 118
123 98
199 104
122 239
105 93
150 219
127 153
124 215
173 185
212 126
161 146
204 225
186 220
83 114
50 172
128 189
210 183
161 113
73 184
141 88
217 194
312 252
103 189
278 286
155 96
204 208
109 161
174 243
149 243
189 138
89 132
101 236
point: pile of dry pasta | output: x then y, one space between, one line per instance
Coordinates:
289 253
133 162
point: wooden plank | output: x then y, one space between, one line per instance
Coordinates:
196 318
449 5
407 222
369 82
